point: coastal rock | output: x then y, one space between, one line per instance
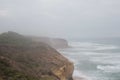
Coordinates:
35 61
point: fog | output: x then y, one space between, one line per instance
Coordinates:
61 18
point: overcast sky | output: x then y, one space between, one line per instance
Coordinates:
61 18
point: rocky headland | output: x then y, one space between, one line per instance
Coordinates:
22 58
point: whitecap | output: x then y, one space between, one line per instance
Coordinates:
90 46
77 75
109 68
106 59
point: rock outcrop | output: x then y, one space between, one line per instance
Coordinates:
34 61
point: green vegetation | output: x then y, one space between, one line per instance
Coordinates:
12 38
8 73
24 59
12 47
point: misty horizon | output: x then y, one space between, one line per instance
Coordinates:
61 18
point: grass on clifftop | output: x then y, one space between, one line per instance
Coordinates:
13 38
12 47
8 73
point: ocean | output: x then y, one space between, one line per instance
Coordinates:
94 60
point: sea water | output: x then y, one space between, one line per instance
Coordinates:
94 60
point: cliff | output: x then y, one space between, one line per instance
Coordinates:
53 42
24 59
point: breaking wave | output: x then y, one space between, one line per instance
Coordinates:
109 68
91 60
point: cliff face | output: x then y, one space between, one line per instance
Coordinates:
53 42
36 61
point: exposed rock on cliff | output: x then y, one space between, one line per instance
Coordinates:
34 61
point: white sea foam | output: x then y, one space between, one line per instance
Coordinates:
77 75
91 46
106 58
85 54
109 68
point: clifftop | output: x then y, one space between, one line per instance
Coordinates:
13 38
24 59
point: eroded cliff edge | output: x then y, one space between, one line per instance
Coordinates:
23 59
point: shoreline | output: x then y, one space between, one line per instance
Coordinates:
77 75
78 78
